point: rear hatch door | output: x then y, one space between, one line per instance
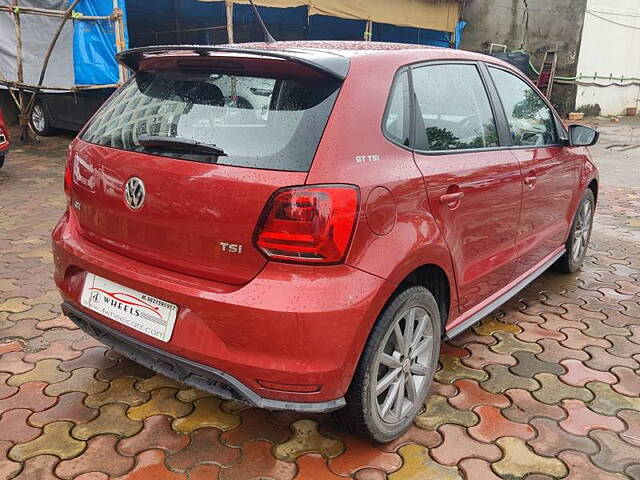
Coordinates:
177 167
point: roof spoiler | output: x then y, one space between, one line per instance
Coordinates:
326 62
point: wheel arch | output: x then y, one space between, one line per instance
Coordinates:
435 279
593 186
40 100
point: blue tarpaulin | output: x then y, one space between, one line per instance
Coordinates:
323 27
284 23
195 22
94 44
383 32
459 28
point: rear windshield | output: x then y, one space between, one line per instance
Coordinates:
258 122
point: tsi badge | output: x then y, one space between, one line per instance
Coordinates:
230 247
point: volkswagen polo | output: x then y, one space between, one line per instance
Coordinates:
309 247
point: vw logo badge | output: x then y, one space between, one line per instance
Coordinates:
134 193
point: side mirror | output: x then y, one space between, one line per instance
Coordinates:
581 136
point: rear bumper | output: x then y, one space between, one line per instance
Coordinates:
289 339
190 373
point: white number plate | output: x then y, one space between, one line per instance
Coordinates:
144 313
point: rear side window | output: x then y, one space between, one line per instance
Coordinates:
266 123
530 120
454 108
397 125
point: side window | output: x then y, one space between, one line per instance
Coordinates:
530 120
454 108
396 122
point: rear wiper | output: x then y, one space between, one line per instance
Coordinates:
181 144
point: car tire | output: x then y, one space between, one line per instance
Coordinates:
383 417
579 235
40 120
2 159
243 103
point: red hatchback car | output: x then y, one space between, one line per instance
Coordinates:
4 139
297 225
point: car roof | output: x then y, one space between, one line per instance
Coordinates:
362 48
397 54
339 47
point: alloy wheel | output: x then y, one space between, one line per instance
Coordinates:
582 231
403 365
37 118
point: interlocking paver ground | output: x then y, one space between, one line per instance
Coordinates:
545 388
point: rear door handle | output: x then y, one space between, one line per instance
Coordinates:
451 199
530 180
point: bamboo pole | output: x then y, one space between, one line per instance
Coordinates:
47 56
368 31
229 5
18 30
51 13
56 36
119 34
23 121
32 88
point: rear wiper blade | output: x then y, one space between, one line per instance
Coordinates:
178 143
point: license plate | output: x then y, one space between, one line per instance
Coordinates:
137 310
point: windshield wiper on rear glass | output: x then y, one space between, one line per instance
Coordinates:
180 144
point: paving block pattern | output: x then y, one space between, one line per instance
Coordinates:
546 388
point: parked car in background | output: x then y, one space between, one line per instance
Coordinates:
4 139
67 111
310 253
71 111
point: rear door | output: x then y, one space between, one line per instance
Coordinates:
548 170
473 184
195 206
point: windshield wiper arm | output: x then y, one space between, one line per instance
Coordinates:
178 143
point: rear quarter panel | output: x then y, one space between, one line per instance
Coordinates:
354 150
587 172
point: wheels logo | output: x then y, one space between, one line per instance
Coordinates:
134 193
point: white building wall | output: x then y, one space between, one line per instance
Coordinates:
610 47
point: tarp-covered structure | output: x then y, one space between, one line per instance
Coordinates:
84 54
37 32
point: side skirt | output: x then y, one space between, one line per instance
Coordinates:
481 311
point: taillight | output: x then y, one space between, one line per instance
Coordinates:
67 176
308 224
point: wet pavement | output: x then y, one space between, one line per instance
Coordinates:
547 387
